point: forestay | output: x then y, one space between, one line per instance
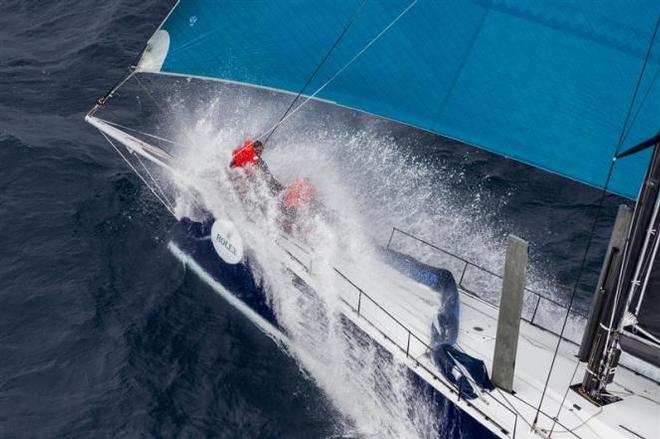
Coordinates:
547 83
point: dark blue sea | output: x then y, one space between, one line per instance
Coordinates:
103 333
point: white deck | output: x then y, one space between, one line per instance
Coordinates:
392 305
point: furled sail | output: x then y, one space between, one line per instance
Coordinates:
546 83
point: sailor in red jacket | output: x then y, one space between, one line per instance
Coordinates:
248 157
299 201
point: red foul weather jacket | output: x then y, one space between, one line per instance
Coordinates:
244 157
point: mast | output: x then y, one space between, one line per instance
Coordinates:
626 317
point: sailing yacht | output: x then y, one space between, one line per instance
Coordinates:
567 87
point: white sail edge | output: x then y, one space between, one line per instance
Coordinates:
154 53
140 69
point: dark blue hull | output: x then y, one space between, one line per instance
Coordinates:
194 239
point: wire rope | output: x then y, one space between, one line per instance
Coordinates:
346 66
597 217
341 36
144 180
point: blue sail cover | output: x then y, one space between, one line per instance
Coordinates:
548 83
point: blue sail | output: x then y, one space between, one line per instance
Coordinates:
546 83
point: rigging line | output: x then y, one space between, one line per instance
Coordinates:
165 202
639 83
645 332
195 40
595 222
102 100
151 96
641 105
624 266
348 64
137 173
554 420
343 33
617 295
132 70
512 407
608 350
118 125
533 428
160 107
160 189
650 251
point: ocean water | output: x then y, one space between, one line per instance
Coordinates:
104 334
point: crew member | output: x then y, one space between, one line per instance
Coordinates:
248 157
298 200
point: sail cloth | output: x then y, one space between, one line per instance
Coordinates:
546 83
465 372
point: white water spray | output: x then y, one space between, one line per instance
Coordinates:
370 185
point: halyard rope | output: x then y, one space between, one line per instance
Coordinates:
318 67
341 70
